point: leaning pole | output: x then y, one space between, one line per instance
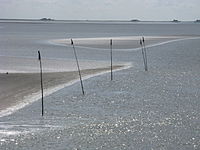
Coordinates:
141 44
145 54
79 71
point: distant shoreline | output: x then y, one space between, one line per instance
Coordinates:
123 21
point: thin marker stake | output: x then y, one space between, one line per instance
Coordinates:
41 81
145 53
111 63
72 43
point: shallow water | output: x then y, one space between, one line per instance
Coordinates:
158 109
23 40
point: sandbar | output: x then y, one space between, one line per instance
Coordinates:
14 87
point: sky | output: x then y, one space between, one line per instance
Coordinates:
148 10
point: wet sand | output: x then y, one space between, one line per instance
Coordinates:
31 65
14 87
120 43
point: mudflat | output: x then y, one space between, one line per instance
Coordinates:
15 86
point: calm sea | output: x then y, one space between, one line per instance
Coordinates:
25 38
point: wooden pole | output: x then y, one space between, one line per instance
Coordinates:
111 59
145 54
41 81
72 43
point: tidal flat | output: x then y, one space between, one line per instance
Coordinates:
154 109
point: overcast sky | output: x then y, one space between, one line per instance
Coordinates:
101 9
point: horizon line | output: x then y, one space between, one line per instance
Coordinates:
105 20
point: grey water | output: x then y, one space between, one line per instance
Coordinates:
24 39
158 109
